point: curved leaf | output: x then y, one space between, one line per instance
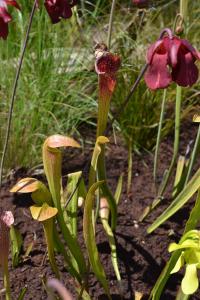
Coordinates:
89 236
38 190
101 140
52 163
43 213
52 160
190 189
190 281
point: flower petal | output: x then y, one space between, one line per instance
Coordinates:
158 75
3 29
173 46
107 63
191 49
4 15
185 73
58 9
152 49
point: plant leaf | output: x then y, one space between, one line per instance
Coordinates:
190 225
118 189
189 190
43 213
179 264
179 174
72 207
38 190
101 140
190 281
52 160
22 293
89 236
16 245
52 163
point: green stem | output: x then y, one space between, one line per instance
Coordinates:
184 9
105 189
103 109
6 280
61 249
111 23
112 244
176 139
168 172
130 164
48 229
159 136
193 156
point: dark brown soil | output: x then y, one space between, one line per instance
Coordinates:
141 256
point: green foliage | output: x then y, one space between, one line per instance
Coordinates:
56 90
16 245
190 256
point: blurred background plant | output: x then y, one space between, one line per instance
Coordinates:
57 88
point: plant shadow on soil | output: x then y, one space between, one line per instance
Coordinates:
141 256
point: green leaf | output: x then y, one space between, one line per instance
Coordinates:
191 224
112 244
101 140
118 189
16 245
190 281
52 160
179 264
72 207
38 190
190 189
52 163
194 215
89 236
43 213
162 280
179 173
22 293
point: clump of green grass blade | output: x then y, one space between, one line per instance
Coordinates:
57 87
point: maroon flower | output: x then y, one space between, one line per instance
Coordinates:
171 59
141 3
106 66
58 9
5 17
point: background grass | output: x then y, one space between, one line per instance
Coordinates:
57 90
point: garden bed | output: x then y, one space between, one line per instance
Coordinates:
141 256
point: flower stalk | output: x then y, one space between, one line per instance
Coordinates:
111 23
48 229
159 136
106 67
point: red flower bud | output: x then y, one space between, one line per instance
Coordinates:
106 66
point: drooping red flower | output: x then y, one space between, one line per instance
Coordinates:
141 3
5 17
58 9
106 66
171 59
